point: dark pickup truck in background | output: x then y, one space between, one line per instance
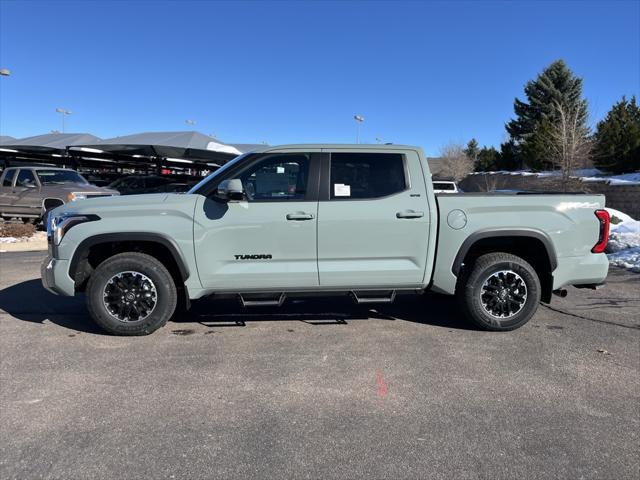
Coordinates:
30 192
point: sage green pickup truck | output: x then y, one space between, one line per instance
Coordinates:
301 220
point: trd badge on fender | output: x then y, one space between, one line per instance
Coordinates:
254 257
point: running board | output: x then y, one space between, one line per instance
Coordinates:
373 296
261 300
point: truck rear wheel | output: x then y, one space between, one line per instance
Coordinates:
501 292
131 294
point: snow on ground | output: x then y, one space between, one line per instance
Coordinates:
623 249
629 259
8 239
583 174
624 179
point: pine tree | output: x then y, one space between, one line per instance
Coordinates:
508 156
556 85
487 159
472 150
617 138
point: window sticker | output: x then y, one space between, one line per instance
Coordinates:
341 190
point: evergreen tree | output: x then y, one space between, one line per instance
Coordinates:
617 138
487 159
556 85
472 150
508 157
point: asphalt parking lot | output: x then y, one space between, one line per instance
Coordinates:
319 389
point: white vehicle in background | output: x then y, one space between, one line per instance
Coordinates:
445 187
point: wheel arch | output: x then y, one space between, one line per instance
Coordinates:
532 245
51 202
95 249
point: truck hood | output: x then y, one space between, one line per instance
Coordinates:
85 188
152 203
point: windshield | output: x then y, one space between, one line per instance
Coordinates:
54 177
222 169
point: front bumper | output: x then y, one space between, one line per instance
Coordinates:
55 276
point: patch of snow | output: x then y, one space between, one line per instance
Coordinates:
594 179
8 239
588 172
619 241
629 259
615 181
626 222
623 249
583 174
630 177
624 179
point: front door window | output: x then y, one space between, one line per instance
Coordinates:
277 178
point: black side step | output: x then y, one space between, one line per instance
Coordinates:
373 296
262 300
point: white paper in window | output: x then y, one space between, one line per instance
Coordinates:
279 169
341 190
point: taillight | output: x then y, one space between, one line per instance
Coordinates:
603 237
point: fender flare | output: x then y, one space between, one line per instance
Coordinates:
504 233
45 199
167 242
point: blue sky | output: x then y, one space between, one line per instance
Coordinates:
423 73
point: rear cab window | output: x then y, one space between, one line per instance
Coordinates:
367 175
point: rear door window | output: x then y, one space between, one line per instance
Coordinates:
8 178
367 175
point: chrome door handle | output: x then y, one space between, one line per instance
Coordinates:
409 214
300 216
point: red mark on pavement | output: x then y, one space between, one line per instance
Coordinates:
382 385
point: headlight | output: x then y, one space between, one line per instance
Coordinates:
75 196
59 225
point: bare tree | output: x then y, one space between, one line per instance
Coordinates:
490 182
569 144
456 164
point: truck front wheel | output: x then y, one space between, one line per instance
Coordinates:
131 294
501 292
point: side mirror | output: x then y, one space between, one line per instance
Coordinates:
231 189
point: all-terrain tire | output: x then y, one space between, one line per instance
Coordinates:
479 284
165 294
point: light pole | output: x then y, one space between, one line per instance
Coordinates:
359 119
64 114
5 72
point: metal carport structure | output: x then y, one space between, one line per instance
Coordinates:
50 148
149 152
158 151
